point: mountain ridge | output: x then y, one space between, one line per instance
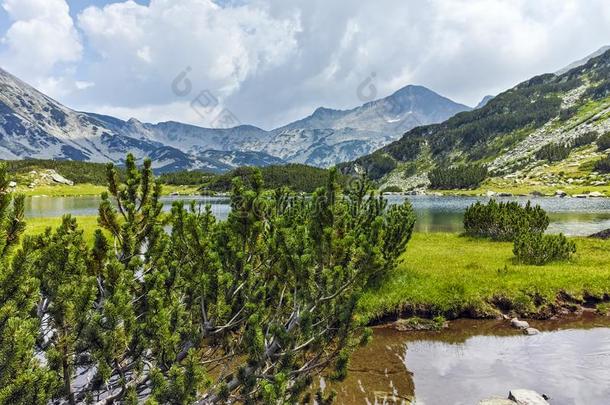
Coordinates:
33 125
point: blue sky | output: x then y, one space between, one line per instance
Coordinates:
274 61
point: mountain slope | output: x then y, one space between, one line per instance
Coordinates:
584 60
506 133
33 125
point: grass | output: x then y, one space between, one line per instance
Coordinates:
35 226
451 275
61 190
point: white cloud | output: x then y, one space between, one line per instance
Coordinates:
144 47
41 37
273 61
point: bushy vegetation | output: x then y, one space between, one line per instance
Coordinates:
538 249
297 177
392 189
78 172
246 310
184 177
603 165
457 177
553 152
603 142
585 139
504 221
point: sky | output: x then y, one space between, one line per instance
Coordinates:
269 62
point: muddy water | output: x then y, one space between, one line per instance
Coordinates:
472 360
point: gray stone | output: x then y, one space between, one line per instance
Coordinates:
560 193
496 401
527 397
531 331
58 178
596 194
515 323
12 184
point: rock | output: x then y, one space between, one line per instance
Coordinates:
596 194
580 196
505 195
527 397
31 185
490 193
496 401
12 184
531 331
515 323
601 235
560 193
58 178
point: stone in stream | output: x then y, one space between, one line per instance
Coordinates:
527 397
517 397
515 323
531 331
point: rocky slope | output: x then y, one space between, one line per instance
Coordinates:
33 125
506 133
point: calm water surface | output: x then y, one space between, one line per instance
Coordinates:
473 360
572 216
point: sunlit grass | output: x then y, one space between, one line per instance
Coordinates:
62 190
450 275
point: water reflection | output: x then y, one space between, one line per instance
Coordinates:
473 360
577 217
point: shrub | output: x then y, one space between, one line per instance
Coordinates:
603 142
457 177
603 165
392 189
568 113
553 152
585 139
539 249
504 221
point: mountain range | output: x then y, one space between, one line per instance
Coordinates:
32 125
507 132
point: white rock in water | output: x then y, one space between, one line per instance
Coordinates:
560 193
496 401
596 194
531 331
515 323
527 397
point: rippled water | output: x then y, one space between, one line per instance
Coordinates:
473 360
572 216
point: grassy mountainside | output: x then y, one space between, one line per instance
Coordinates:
507 134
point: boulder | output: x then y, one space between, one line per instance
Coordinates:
560 193
505 195
12 184
527 397
496 401
58 178
531 331
515 323
601 235
596 194
490 193
580 196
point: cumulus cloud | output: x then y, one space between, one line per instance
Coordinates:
273 61
41 37
142 48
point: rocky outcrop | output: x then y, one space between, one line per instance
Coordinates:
519 397
601 235
516 323
527 397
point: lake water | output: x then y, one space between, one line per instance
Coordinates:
572 216
474 360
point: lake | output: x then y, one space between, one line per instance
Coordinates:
572 216
473 360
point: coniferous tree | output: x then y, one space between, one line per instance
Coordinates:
23 379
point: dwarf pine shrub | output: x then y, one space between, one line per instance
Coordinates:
539 249
504 221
